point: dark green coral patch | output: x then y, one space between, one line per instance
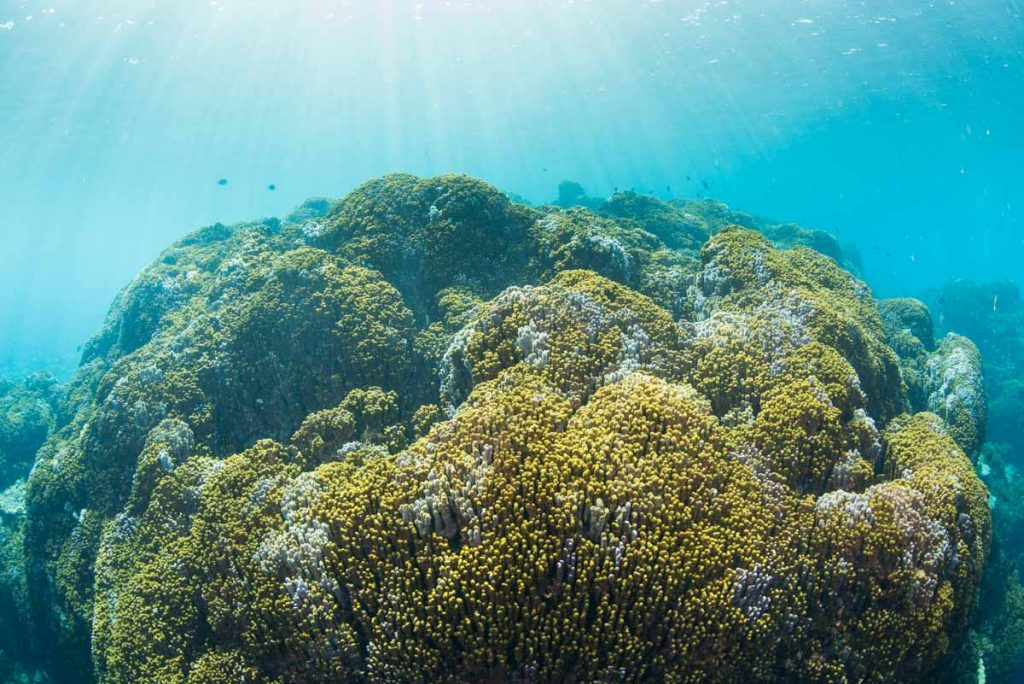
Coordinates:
28 411
673 225
909 316
428 234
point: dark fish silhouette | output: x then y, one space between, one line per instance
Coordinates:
271 187
705 184
222 181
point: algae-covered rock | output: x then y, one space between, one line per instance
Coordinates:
431 435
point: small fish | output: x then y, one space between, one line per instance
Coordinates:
668 188
687 179
271 187
705 184
995 300
222 181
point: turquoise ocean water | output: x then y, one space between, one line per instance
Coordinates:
895 126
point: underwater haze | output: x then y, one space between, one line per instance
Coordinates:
534 341
895 125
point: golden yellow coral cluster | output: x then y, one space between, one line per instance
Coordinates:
594 510
402 442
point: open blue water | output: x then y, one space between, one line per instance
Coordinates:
896 125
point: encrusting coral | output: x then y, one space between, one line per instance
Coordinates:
429 434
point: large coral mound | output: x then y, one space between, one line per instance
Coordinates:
433 435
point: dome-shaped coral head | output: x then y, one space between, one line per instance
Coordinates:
791 297
432 435
427 234
586 514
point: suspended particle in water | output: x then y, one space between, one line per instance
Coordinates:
222 182
271 187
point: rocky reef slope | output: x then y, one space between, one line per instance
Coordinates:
426 433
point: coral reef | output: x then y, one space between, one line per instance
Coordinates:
992 316
957 392
672 225
427 434
945 378
572 194
27 413
910 332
